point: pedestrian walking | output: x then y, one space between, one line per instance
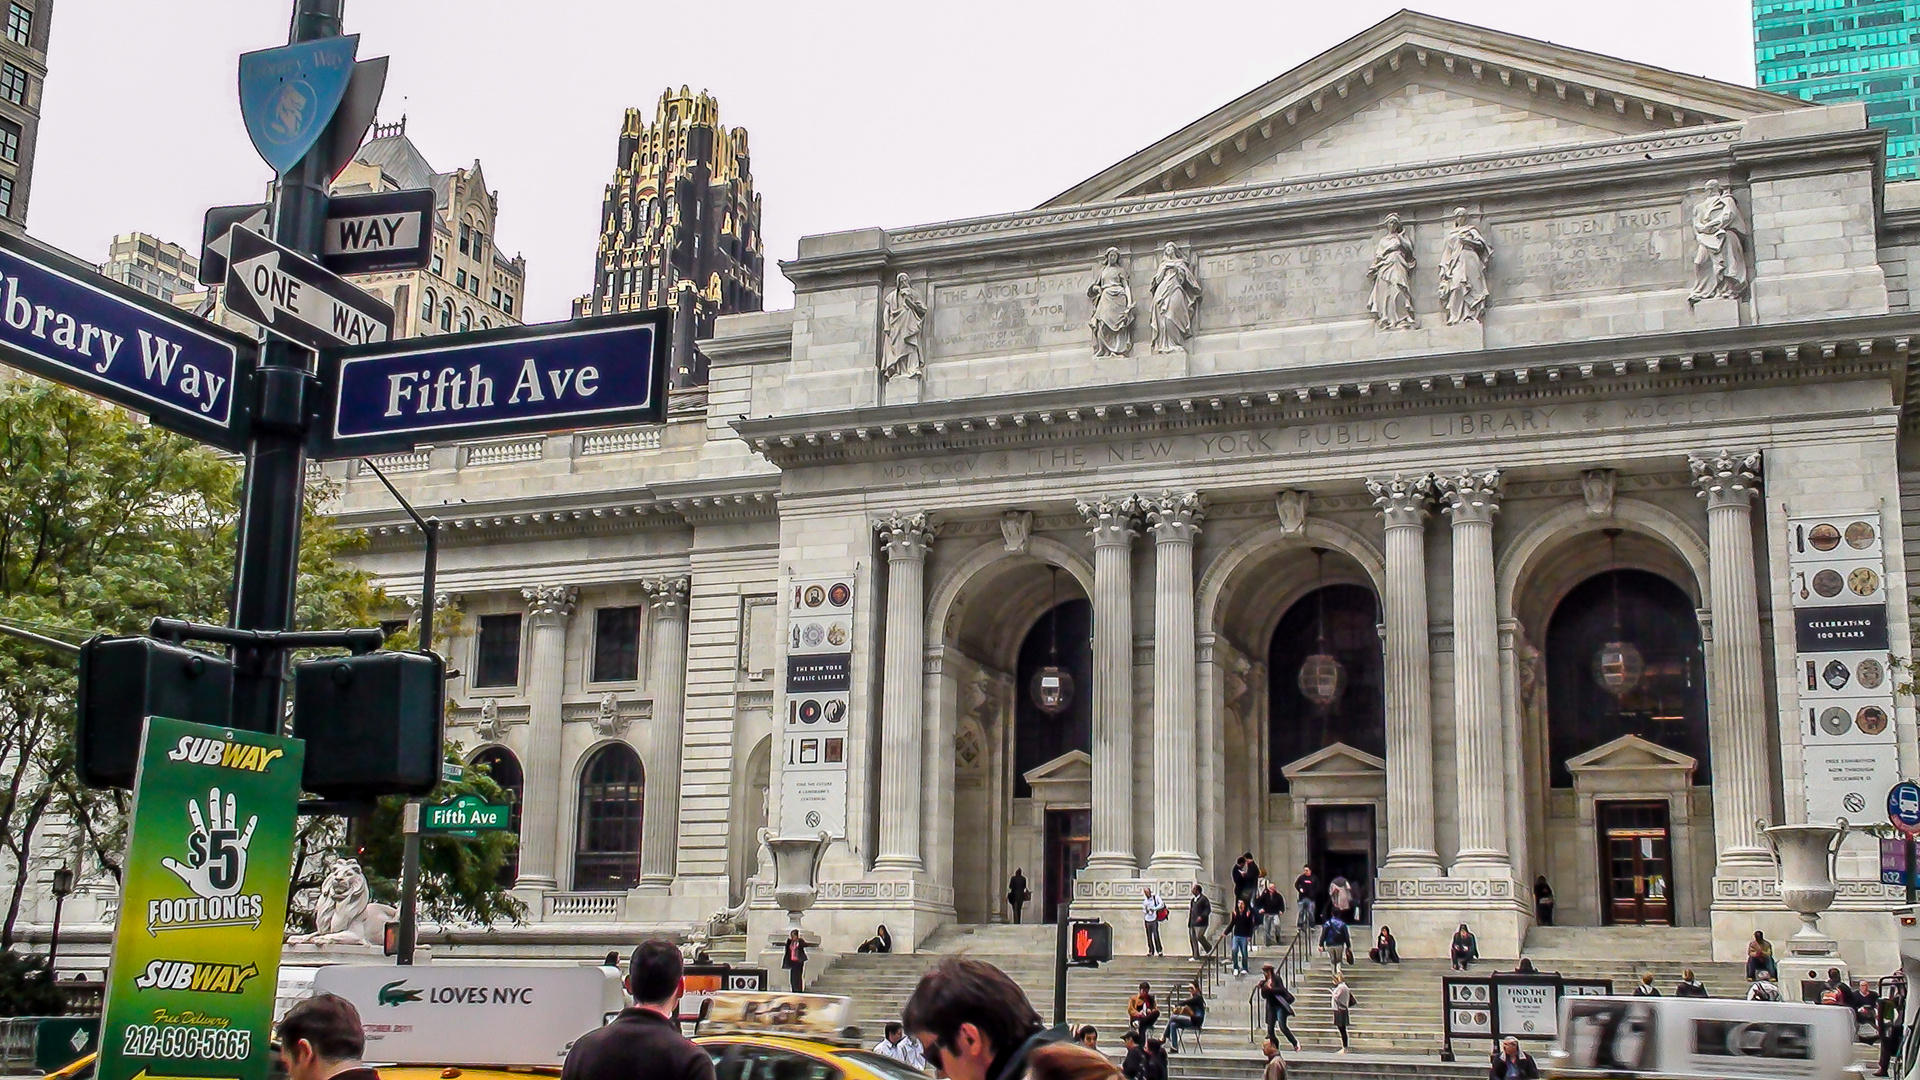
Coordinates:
794 959
1337 940
1240 925
1512 1063
1279 1001
1340 900
1154 911
322 1038
973 1022
1189 1015
1276 1065
1156 1068
1763 988
1240 876
1892 1022
1017 892
1199 913
1542 901
1304 885
1133 1064
1465 949
1343 1003
647 1032
1689 987
897 1046
1069 1061
1271 905
1646 987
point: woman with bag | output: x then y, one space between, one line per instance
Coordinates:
1279 1001
1154 911
1343 1003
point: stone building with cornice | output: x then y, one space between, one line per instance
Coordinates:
1461 462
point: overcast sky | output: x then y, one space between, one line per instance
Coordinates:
861 114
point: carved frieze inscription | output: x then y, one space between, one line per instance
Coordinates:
1022 315
1264 286
1580 254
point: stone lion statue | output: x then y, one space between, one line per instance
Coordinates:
344 914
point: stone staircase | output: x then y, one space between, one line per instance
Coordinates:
1398 1011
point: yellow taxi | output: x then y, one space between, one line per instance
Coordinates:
767 1036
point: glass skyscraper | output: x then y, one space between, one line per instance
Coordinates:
1829 51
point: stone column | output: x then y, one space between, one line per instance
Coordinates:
1472 498
1738 724
1113 523
548 609
666 731
1403 503
902 690
1176 764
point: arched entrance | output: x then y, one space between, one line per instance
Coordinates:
1053 721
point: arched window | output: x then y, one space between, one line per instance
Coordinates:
486 323
607 842
505 770
446 315
466 319
1348 702
426 307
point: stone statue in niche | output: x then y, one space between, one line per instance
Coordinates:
1112 296
1722 239
1392 274
1596 488
905 314
1015 528
1176 298
1292 508
1464 259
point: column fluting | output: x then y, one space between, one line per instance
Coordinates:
548 609
1174 522
666 730
1113 524
1472 498
905 538
1403 503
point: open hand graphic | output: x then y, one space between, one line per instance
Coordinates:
216 850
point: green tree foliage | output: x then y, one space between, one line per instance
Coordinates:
460 877
26 987
106 522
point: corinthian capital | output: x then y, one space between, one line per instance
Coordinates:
1403 500
1471 496
667 594
905 536
1726 478
550 605
1174 517
1110 520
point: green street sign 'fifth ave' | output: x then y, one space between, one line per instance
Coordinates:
464 816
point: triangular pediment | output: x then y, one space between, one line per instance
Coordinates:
1417 89
1336 760
1074 766
1630 752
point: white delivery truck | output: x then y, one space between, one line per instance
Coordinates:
1677 1038
475 1015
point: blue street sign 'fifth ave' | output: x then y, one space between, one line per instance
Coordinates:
554 377
63 321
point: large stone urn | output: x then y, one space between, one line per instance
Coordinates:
796 866
1806 855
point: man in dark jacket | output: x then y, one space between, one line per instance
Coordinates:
1199 913
645 1038
974 1022
1512 1063
322 1039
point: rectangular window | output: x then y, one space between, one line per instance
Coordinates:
497 654
616 644
13 84
6 196
466 238
496 298
459 279
508 306
20 25
439 266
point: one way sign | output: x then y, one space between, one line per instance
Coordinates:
300 300
388 230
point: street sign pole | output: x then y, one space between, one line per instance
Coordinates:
269 546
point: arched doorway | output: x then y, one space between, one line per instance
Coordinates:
1055 783
607 845
504 769
1327 689
1627 729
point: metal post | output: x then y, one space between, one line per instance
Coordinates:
62 885
1060 964
407 933
268 562
1909 864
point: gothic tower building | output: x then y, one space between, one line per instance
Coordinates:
680 225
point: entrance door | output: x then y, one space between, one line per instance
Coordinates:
1069 842
1340 844
1636 871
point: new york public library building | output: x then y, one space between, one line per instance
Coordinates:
1459 461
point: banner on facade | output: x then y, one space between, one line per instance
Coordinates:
203 907
813 764
1843 675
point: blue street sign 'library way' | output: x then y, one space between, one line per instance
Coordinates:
62 320
585 373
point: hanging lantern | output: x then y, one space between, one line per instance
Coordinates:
1322 678
1617 667
1051 690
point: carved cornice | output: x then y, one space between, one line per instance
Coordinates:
1571 372
679 505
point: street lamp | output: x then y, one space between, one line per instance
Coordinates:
62 888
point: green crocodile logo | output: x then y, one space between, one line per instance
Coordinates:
394 994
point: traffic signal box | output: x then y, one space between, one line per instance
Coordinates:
1089 943
371 723
125 680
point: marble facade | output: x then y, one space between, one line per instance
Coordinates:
1467 473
